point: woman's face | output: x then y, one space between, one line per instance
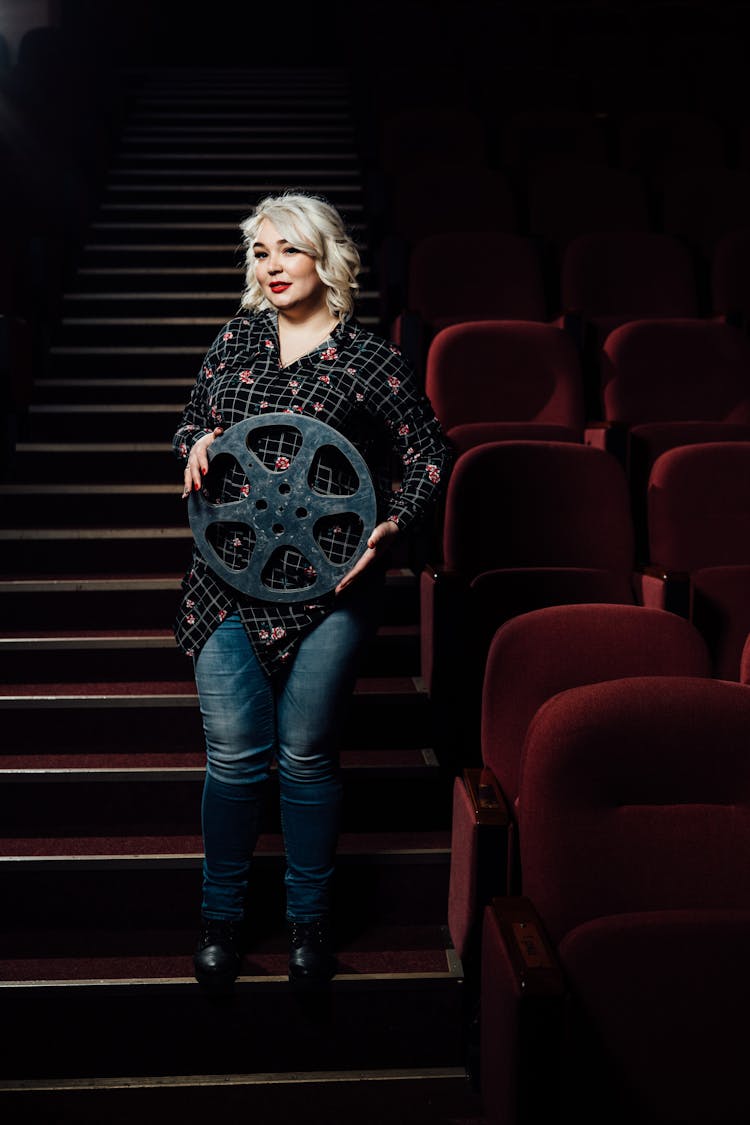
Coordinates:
287 276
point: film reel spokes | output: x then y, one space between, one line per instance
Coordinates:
306 510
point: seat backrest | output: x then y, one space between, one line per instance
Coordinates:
422 201
634 795
436 136
538 654
674 369
699 506
653 140
500 370
536 504
700 205
536 139
583 198
511 288
631 274
658 1015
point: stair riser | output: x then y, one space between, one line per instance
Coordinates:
153 908
82 509
96 556
418 1100
89 426
227 255
372 803
135 608
388 656
96 467
106 334
371 722
146 388
178 1031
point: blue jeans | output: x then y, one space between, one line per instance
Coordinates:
248 719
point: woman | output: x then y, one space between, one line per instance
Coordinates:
273 678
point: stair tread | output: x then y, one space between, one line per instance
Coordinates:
112 638
94 765
401 685
435 843
100 955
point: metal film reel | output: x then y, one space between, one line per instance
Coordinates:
284 508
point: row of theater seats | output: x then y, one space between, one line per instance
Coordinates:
696 205
660 383
650 141
530 524
604 279
611 958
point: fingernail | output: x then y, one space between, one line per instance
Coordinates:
204 471
185 493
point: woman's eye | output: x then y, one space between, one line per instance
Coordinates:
291 250
258 256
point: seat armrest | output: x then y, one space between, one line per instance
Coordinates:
530 952
609 436
522 1013
487 798
657 588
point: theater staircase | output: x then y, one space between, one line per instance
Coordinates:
101 764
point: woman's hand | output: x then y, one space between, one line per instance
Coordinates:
197 464
376 544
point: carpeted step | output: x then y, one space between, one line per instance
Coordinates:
63 893
139 600
384 790
166 1026
143 386
127 713
93 505
100 462
88 421
37 550
85 655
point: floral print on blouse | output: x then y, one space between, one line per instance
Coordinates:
356 382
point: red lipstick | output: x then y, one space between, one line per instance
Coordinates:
279 286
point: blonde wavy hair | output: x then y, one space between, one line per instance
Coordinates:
311 225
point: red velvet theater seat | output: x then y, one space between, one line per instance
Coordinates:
536 139
512 288
700 205
606 994
698 518
497 380
585 198
655 142
720 609
419 202
670 382
609 278
531 658
526 524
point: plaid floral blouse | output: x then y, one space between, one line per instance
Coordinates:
356 382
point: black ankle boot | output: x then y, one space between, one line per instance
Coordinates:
311 959
217 955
